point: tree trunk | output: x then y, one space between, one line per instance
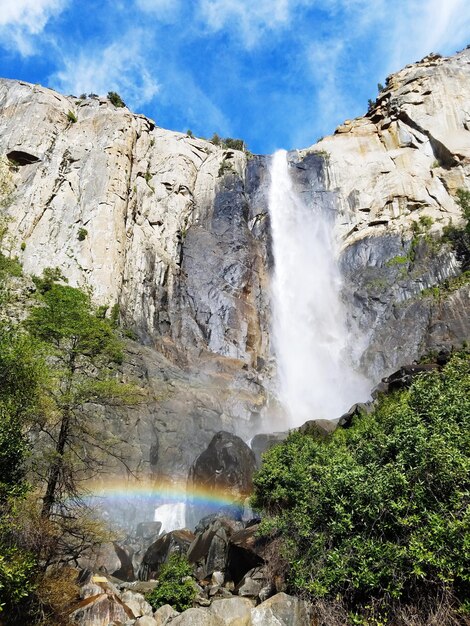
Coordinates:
54 472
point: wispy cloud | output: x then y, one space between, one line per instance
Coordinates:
165 10
250 20
423 26
120 66
22 20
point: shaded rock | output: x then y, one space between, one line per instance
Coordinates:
233 611
246 551
160 550
164 615
225 467
282 610
355 411
197 617
126 570
148 530
403 378
209 549
254 583
263 442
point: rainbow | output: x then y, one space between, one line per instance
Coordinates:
158 492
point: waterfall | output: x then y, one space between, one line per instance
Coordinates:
172 516
317 379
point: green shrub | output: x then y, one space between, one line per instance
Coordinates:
72 118
82 234
116 99
175 587
381 510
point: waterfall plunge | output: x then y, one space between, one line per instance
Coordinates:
317 379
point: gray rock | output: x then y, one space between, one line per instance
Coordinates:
146 620
233 611
282 610
136 603
227 465
158 553
197 617
164 615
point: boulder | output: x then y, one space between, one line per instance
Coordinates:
282 610
164 615
246 551
160 550
263 442
402 378
197 617
210 547
225 468
146 620
136 603
233 611
356 410
255 584
318 428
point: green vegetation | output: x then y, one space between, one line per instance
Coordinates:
175 585
82 234
448 286
229 143
56 369
397 260
225 166
377 518
459 237
115 99
189 133
72 118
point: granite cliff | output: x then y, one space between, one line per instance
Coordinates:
174 231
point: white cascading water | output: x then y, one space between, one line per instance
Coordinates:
172 516
317 379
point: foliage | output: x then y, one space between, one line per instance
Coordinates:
83 348
115 99
72 118
175 586
21 381
459 237
380 510
82 234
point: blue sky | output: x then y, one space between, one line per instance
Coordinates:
277 73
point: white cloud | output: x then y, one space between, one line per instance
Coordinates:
250 19
21 20
120 67
424 26
164 10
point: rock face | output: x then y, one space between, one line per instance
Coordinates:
174 231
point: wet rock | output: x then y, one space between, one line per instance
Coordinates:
403 378
264 442
282 610
126 570
233 611
355 411
160 550
225 467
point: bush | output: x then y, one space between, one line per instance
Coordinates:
175 587
116 99
72 118
82 234
380 511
